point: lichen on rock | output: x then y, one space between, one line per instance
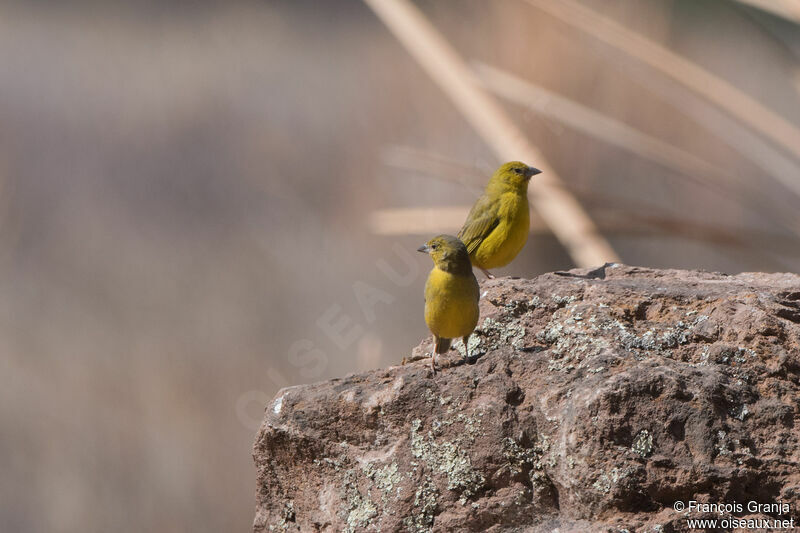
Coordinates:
448 458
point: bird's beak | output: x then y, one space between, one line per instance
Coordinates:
424 249
531 172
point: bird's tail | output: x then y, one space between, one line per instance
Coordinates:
442 345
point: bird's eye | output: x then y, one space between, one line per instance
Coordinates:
518 170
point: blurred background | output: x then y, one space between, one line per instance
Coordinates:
202 202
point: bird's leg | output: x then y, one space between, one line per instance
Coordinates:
466 347
487 273
419 356
433 354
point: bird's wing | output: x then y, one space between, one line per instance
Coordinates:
482 219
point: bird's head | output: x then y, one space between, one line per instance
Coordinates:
514 175
448 254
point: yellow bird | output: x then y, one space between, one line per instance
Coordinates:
498 224
451 294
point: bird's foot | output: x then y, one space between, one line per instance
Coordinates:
419 357
487 273
415 358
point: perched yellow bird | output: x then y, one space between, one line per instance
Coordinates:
498 224
451 294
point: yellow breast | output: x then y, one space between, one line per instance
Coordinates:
451 304
507 239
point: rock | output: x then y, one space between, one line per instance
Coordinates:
600 398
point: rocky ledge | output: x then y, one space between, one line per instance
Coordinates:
600 399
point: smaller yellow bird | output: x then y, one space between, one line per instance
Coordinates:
451 294
498 224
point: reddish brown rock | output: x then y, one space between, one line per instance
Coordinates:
600 399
